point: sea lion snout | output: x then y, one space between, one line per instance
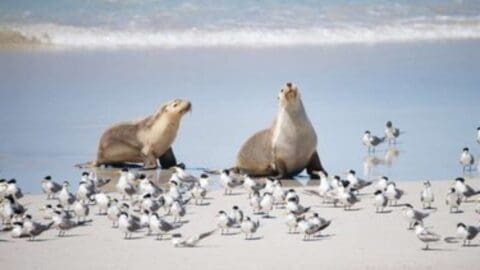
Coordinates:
288 93
179 106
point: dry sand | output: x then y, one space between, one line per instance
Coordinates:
358 239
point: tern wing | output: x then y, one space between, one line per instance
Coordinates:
56 187
396 132
429 236
133 225
324 225
312 192
419 215
472 232
206 234
102 182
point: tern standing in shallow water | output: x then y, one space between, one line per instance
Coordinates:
371 141
391 133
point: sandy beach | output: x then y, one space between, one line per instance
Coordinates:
359 238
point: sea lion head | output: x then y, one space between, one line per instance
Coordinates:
289 95
176 108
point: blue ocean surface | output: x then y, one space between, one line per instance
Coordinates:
70 69
207 23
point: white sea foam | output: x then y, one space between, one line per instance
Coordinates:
83 37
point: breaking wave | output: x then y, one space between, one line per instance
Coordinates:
61 36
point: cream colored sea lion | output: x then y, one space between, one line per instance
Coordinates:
287 147
144 141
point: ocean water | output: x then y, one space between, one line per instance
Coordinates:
358 64
54 105
207 23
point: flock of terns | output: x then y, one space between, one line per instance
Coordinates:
137 205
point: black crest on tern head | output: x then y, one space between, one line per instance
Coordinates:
461 179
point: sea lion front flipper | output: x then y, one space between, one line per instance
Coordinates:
168 160
150 162
281 169
314 165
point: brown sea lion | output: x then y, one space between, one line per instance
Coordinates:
287 147
144 141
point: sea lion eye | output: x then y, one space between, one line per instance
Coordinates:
281 90
175 105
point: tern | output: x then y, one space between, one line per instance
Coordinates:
391 133
425 235
466 159
249 227
426 196
50 187
190 241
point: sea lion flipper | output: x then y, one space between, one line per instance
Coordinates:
281 169
150 162
168 160
314 165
